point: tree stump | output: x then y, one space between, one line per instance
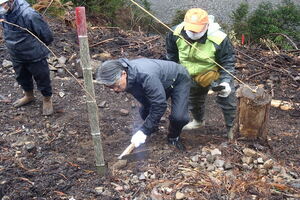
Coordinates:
252 113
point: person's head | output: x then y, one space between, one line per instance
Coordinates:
4 6
196 23
112 74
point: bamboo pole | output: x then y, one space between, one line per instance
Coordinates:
88 83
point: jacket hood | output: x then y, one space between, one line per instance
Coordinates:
17 8
213 26
131 73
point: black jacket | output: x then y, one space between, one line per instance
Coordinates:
22 46
147 81
225 55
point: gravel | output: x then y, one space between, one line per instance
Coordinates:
221 9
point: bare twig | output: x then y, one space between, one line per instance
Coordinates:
263 64
26 180
101 42
256 74
289 39
47 7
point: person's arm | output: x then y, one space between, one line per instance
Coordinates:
39 27
225 56
171 47
155 93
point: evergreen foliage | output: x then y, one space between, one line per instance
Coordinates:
179 17
280 24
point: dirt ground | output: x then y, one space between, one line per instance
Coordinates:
53 157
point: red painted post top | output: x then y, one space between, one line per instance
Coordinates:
81 21
243 39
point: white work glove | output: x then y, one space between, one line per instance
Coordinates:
138 138
226 91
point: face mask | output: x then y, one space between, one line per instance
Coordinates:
3 11
196 36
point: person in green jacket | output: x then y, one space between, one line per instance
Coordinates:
209 46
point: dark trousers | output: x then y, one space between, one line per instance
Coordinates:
39 71
179 116
197 103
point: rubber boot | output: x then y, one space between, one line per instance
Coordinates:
229 133
176 142
194 125
29 97
47 106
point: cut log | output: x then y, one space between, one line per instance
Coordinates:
252 113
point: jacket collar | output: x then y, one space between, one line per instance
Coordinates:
130 73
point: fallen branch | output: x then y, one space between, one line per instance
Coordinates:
47 7
284 105
289 39
152 39
26 179
264 64
256 74
25 168
296 196
103 41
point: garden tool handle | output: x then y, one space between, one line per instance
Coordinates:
127 151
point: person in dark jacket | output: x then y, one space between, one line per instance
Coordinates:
28 54
151 82
209 46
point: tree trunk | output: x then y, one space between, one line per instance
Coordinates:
253 113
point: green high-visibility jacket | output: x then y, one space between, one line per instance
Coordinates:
213 46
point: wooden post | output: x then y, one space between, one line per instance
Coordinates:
253 113
88 83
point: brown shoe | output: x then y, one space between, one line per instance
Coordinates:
47 106
29 97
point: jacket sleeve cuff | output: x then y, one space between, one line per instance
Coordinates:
146 131
227 80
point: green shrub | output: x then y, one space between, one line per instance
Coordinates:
179 17
105 8
239 17
31 2
280 24
133 18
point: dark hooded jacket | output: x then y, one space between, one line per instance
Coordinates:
22 46
149 81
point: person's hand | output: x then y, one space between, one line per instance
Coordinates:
138 138
226 91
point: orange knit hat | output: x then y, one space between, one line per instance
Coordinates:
195 19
